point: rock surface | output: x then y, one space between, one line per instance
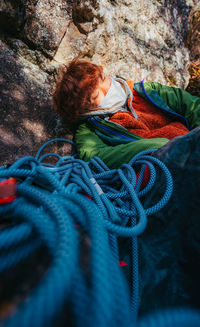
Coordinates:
27 119
193 43
132 39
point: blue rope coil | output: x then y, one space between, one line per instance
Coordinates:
51 199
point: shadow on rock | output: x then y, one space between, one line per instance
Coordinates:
27 118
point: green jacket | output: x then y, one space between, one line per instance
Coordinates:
116 145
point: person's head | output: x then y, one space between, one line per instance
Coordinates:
80 88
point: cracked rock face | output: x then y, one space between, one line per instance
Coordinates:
139 39
46 22
27 119
133 39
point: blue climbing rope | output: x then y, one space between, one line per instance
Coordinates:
54 198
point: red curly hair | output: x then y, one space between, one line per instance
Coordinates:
74 88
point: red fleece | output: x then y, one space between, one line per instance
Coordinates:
151 121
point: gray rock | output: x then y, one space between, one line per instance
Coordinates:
46 23
27 119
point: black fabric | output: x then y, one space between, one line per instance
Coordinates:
169 249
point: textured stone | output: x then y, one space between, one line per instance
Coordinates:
193 43
46 23
11 16
27 119
193 38
70 44
133 39
86 15
194 82
145 40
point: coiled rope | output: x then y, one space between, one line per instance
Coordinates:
51 201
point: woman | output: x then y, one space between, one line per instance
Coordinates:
112 113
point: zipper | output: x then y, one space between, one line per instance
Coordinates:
111 131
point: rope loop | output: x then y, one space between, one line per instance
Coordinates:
55 204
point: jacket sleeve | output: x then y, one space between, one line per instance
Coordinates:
181 101
90 145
